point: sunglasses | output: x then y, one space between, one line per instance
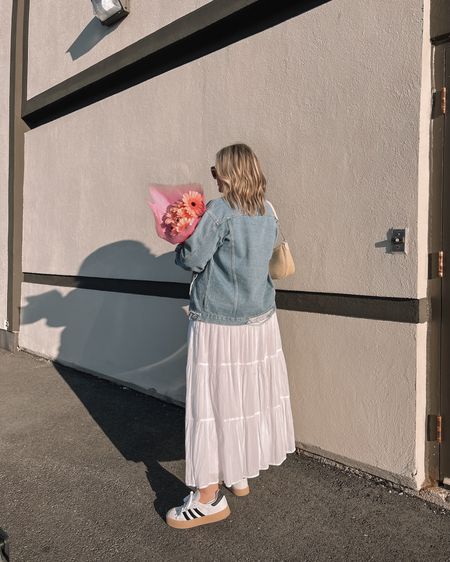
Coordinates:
213 172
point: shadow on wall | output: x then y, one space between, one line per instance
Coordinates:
90 36
138 339
133 338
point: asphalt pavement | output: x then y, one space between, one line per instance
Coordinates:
89 468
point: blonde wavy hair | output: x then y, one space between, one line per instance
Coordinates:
244 184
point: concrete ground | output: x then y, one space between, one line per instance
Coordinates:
88 470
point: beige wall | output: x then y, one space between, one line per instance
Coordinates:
423 192
79 40
331 102
352 384
138 340
339 146
5 55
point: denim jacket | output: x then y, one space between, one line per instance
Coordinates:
229 254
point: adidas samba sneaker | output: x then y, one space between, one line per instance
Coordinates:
194 513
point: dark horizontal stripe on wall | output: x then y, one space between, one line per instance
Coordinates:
213 26
393 309
134 286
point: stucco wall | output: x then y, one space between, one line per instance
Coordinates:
339 146
423 193
330 101
5 55
79 40
138 340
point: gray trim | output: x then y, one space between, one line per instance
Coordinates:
392 309
15 173
171 289
213 26
408 310
9 341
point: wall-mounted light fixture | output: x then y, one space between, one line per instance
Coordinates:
110 11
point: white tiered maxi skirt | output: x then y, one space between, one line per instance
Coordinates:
238 413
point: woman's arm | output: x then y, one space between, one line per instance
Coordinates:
195 252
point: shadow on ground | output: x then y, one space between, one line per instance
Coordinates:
89 468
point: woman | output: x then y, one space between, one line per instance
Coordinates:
238 412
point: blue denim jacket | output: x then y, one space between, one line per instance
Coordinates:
229 254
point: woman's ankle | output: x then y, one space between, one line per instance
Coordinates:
208 494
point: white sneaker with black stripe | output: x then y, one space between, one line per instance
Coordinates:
194 513
240 488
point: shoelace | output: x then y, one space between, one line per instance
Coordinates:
187 502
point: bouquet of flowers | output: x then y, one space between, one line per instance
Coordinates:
176 209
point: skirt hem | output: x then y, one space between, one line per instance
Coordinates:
251 476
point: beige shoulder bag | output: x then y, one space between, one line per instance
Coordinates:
281 263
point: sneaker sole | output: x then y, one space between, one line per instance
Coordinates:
238 491
219 516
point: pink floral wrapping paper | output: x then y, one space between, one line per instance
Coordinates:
176 209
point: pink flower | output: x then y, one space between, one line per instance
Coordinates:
194 204
176 209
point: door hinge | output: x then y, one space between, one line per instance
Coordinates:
436 264
434 428
441 271
439 102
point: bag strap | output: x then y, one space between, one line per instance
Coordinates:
276 218
274 212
